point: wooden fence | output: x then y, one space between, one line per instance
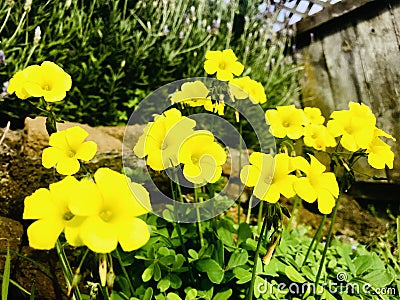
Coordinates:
356 57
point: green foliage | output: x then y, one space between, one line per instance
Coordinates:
117 52
221 269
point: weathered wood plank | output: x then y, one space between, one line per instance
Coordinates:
359 61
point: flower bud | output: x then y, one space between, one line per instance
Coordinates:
37 37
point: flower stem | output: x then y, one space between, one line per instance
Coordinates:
124 271
18 28
256 254
66 269
259 217
240 164
199 227
315 237
184 250
6 19
328 241
249 210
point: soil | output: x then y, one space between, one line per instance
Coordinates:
362 216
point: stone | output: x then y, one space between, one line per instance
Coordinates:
11 233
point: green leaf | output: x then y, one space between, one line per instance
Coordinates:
164 284
179 261
176 282
173 296
242 274
362 264
238 258
223 295
379 278
348 297
191 294
157 272
32 296
148 294
244 232
6 276
294 275
148 273
212 268
193 254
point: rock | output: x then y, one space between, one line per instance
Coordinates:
11 233
45 274
36 137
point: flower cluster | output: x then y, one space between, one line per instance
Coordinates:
225 65
47 80
272 177
89 213
355 127
171 140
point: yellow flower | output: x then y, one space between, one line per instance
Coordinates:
245 87
270 176
162 139
286 121
318 137
47 80
355 126
202 157
17 84
193 94
313 115
316 184
111 206
379 153
67 147
224 63
50 207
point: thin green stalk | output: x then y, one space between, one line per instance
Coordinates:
30 55
259 217
17 29
6 19
315 237
199 226
185 253
398 234
249 210
66 269
125 272
328 241
253 274
240 164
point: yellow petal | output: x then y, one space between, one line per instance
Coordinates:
75 137
99 236
272 194
250 175
68 166
133 234
72 231
43 234
51 156
88 199
86 151
329 183
304 189
141 201
58 139
326 201
39 205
